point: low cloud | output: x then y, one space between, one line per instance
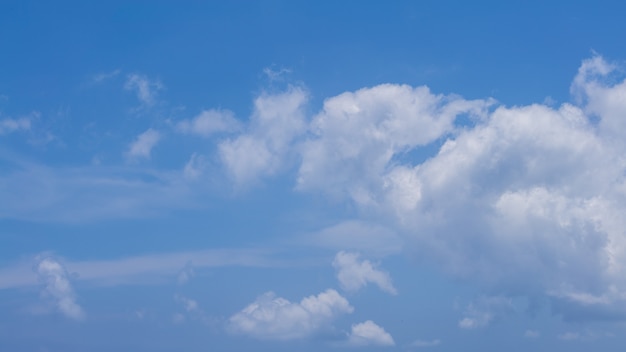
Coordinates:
425 343
143 144
275 318
57 287
369 334
144 88
353 274
8 125
209 122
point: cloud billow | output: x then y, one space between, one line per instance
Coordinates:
524 201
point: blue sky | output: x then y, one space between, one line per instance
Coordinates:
291 176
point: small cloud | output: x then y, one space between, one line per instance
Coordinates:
425 343
185 274
104 76
209 122
586 335
531 334
354 274
145 89
369 334
58 287
276 74
188 304
569 336
142 146
275 318
8 125
194 167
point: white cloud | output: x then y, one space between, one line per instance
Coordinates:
8 125
145 89
425 343
277 121
142 146
275 318
369 334
354 274
194 167
57 286
210 122
357 135
525 200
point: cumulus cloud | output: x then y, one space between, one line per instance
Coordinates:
523 200
369 334
145 89
353 274
275 318
357 135
8 125
264 148
142 146
209 122
57 286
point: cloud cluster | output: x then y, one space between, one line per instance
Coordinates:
57 286
353 274
523 200
275 318
266 146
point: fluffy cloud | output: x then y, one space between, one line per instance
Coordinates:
354 274
265 147
523 200
368 334
209 122
275 318
142 146
357 136
58 287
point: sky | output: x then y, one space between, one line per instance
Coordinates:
312 176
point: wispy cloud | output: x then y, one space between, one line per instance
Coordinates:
143 269
143 144
8 125
145 89
105 76
425 343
